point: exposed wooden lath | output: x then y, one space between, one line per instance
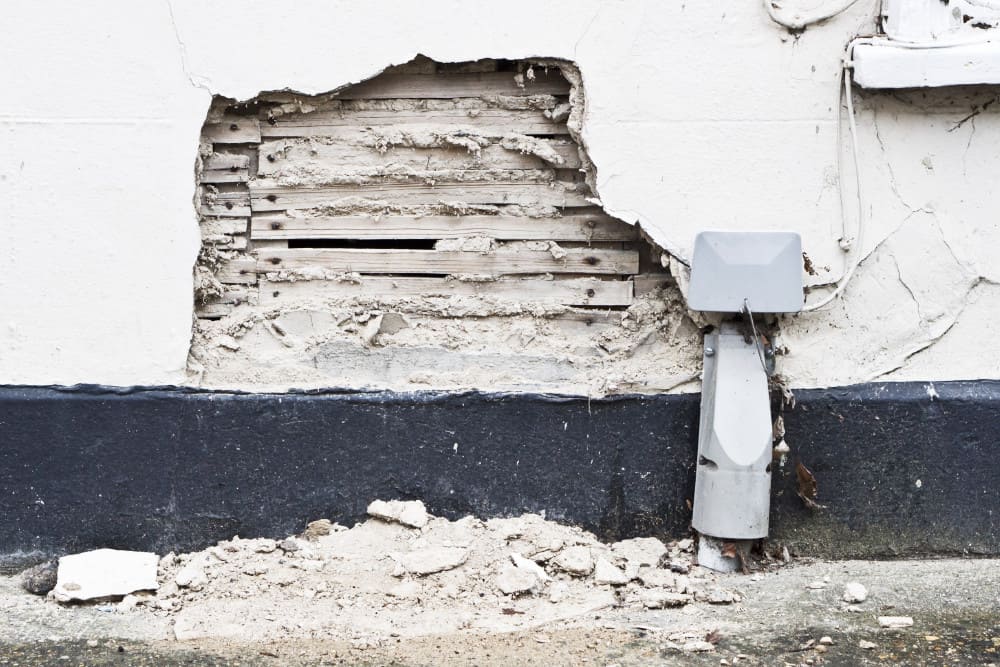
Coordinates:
416 155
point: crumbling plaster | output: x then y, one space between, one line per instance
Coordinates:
699 116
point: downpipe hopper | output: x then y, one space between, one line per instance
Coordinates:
742 274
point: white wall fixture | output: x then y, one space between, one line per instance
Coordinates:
930 43
738 272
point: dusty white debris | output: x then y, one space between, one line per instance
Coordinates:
514 580
575 560
640 551
409 513
867 645
104 573
895 621
431 560
382 578
191 576
717 596
660 599
606 573
698 647
855 592
530 566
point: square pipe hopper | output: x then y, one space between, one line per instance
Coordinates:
740 273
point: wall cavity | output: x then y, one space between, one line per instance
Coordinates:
433 227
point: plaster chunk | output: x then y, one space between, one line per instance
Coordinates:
431 560
660 599
575 560
606 573
410 513
104 573
514 580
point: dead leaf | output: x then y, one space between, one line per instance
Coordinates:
713 637
509 611
728 550
808 487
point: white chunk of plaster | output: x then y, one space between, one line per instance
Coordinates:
104 573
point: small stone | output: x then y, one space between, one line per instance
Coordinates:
431 560
167 589
657 578
576 561
717 596
104 573
41 578
316 529
826 640
685 544
679 566
265 546
191 576
606 573
640 551
816 585
821 648
867 645
92 643
895 621
855 592
660 599
289 545
410 513
513 580
698 647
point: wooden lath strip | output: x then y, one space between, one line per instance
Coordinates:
230 175
234 130
573 292
278 156
598 227
264 198
226 204
221 306
491 122
224 210
576 260
240 271
448 85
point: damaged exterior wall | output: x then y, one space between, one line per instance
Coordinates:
698 116
434 226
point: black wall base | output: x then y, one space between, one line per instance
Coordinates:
899 472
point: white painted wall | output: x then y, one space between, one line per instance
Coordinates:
700 115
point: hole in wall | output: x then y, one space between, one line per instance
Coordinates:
450 196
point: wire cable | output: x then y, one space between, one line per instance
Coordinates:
855 245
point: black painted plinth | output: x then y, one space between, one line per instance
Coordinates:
167 468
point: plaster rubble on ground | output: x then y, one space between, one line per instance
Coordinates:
382 578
